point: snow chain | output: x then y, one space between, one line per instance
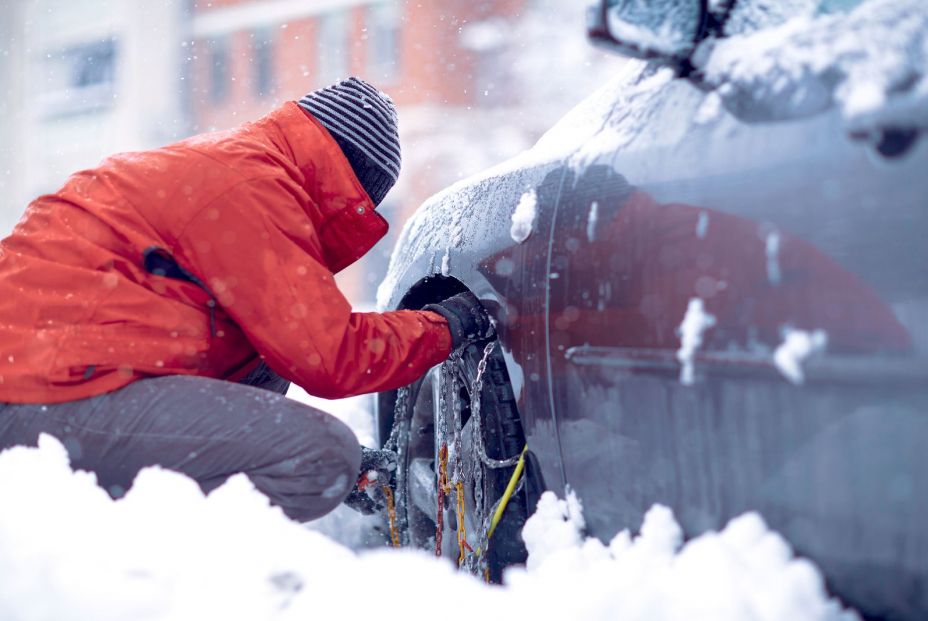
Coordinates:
475 562
444 488
391 515
398 442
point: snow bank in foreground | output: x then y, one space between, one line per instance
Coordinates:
69 552
745 572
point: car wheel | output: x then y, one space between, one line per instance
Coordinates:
427 411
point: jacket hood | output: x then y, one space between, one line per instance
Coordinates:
344 215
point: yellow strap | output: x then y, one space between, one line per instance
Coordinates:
513 480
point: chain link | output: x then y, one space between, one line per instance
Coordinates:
391 515
458 476
399 442
474 561
462 529
476 393
476 397
444 488
400 411
441 441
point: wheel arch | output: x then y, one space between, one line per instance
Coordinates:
429 290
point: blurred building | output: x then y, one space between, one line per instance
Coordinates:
82 79
476 81
251 55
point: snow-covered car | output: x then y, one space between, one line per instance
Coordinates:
710 289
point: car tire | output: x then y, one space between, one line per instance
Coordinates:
417 479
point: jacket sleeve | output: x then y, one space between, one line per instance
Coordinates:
259 254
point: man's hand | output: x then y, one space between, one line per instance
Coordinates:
378 467
467 319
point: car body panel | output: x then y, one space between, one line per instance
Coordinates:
832 464
467 234
792 224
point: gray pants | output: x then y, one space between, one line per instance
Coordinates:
304 460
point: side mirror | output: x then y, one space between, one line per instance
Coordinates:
663 31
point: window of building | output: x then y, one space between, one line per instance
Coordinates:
333 47
262 62
383 41
79 78
219 69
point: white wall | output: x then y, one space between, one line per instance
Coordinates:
12 187
53 128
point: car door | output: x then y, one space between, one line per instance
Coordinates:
778 229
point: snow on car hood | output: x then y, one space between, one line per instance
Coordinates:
872 62
167 552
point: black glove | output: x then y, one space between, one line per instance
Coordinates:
378 467
467 319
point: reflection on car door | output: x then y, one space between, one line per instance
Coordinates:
774 227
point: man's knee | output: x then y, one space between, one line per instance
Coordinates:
346 454
318 475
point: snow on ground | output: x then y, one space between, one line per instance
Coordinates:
165 551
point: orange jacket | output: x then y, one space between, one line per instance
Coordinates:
258 217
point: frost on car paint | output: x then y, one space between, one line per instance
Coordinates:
523 218
798 345
691 330
871 61
610 118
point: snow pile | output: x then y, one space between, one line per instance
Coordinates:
523 218
164 551
68 552
876 55
798 345
695 322
745 572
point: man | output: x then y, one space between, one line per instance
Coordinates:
144 305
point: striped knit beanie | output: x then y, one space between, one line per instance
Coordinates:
362 120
